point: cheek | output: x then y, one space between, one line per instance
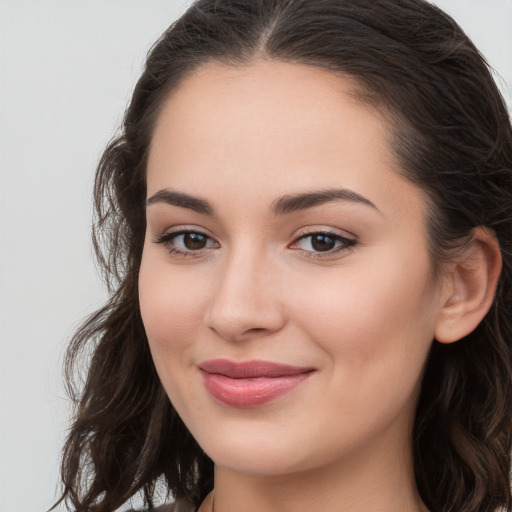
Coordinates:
374 320
171 308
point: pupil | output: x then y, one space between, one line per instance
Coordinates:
194 241
323 243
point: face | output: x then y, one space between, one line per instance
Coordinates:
285 285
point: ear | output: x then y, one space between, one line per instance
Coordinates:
470 287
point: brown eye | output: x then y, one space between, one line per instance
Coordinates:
186 242
323 243
194 241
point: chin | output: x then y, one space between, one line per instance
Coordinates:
258 460
256 449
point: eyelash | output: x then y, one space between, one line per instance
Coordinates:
167 240
343 243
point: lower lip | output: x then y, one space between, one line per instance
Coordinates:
250 392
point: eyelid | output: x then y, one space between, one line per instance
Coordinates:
343 242
167 237
347 243
327 230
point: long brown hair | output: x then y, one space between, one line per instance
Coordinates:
452 137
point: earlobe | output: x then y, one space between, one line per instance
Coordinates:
471 287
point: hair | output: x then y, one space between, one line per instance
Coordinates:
452 137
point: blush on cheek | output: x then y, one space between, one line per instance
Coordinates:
371 315
164 303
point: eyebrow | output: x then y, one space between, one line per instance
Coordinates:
182 200
282 206
292 203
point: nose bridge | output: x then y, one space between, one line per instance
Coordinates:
245 300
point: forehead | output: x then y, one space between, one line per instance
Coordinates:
268 101
293 126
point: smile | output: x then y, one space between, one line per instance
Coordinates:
250 383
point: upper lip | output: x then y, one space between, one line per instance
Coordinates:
251 369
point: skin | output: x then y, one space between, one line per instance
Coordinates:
362 316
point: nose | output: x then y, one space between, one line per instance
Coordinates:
245 303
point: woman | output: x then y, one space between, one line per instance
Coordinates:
306 226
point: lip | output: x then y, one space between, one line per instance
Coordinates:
250 383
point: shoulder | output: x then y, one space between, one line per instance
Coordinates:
177 506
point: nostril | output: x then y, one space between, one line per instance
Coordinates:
253 331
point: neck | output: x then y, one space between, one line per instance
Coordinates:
377 481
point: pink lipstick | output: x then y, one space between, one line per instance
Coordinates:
250 383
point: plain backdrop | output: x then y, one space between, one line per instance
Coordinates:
67 68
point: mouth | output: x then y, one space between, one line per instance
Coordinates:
250 383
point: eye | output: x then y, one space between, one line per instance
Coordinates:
322 242
186 242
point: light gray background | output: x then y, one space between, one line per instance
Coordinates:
67 68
